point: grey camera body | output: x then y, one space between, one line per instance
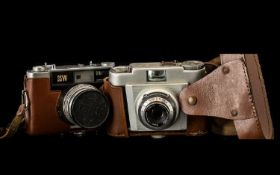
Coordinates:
152 91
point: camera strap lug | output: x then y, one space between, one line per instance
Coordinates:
24 99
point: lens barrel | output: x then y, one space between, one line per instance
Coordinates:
158 110
85 106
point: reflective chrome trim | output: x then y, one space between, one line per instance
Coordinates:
32 74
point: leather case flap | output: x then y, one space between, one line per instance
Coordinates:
224 93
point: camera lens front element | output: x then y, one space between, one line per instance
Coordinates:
85 106
158 110
156 115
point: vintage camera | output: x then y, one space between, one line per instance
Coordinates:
145 99
65 98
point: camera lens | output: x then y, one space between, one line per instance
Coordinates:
85 106
158 110
157 115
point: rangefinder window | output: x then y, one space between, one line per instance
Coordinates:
84 77
61 79
70 78
101 74
156 75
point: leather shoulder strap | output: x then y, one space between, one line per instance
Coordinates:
261 125
235 91
15 124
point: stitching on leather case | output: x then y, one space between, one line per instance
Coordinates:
248 89
263 91
250 95
258 124
256 119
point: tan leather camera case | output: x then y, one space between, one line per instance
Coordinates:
42 116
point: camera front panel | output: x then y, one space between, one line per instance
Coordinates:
155 107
